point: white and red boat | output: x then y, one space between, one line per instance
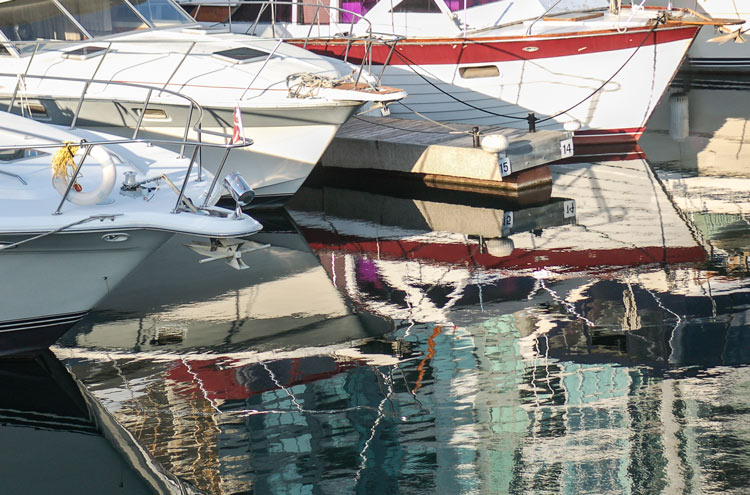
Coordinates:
573 63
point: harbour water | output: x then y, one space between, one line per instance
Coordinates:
593 337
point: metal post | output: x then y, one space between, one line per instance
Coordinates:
73 179
86 88
178 66
265 62
185 182
387 60
143 112
475 136
216 177
22 78
531 119
312 24
200 153
187 130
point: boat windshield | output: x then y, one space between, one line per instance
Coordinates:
25 22
104 17
162 13
31 20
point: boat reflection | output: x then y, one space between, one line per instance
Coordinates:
620 218
283 299
701 126
63 441
705 173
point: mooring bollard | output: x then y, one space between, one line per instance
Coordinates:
475 135
532 122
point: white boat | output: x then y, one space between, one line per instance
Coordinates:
572 64
292 101
68 237
720 49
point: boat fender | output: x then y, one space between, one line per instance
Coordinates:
495 143
500 248
679 122
76 195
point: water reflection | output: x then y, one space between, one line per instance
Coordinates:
63 442
591 337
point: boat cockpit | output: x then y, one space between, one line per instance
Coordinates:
23 23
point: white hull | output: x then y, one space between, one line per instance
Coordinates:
547 87
51 283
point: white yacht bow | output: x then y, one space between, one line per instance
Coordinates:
79 211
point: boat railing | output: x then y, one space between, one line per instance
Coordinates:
270 6
323 15
194 107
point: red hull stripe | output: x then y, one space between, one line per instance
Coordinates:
607 136
493 50
469 256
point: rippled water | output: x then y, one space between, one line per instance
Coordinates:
593 338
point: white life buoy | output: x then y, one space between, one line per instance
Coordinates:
83 198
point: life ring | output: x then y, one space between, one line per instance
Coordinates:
81 198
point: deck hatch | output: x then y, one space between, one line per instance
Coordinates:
241 55
84 52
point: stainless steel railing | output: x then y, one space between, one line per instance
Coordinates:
369 37
183 143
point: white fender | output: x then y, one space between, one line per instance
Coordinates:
109 174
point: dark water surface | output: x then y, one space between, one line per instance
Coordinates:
589 338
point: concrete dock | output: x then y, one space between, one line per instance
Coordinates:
447 154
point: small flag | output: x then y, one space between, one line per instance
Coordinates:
238 134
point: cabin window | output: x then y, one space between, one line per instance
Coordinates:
209 13
161 13
249 13
421 6
104 17
361 7
26 21
456 5
479 71
19 154
3 50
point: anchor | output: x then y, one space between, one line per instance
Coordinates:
229 250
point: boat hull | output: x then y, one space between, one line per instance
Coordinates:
49 284
609 82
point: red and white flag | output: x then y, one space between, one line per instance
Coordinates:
238 134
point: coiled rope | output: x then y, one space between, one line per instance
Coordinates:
307 85
63 164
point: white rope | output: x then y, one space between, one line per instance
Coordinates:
307 85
